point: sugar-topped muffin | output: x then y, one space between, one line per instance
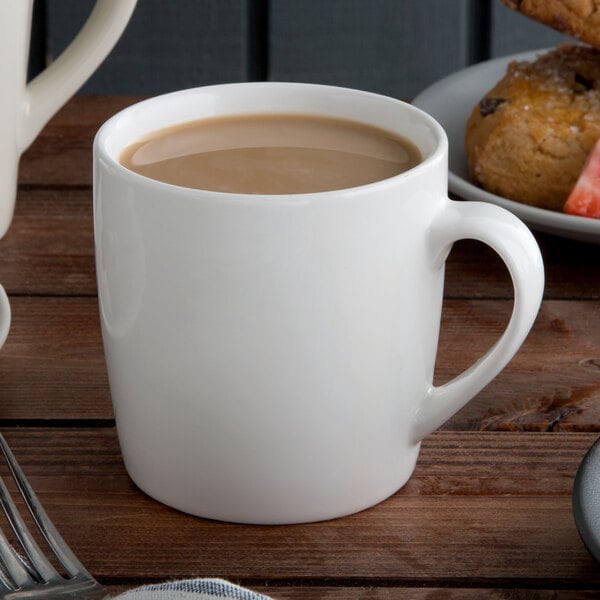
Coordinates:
530 135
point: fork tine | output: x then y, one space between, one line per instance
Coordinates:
41 569
34 576
15 569
60 548
5 584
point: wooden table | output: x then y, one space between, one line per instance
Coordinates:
487 510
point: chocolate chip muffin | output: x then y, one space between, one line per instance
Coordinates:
579 18
529 136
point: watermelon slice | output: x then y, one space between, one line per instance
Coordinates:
584 199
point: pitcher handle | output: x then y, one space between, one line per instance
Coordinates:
4 316
517 247
47 92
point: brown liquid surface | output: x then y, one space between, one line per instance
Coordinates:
271 154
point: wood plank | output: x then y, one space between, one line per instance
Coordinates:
494 539
477 509
553 382
389 47
49 250
62 154
166 45
475 271
52 365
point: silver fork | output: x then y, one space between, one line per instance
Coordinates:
28 573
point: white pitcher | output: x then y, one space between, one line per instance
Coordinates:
26 108
4 316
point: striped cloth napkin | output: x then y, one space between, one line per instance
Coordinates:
192 589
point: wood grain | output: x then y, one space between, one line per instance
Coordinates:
467 499
52 365
49 248
552 383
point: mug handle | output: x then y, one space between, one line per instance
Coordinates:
4 316
517 247
47 92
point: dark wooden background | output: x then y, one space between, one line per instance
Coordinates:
394 47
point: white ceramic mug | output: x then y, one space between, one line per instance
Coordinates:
271 357
26 108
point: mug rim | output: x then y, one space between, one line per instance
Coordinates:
102 154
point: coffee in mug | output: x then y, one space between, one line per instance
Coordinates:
271 154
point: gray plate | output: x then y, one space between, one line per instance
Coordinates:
586 500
